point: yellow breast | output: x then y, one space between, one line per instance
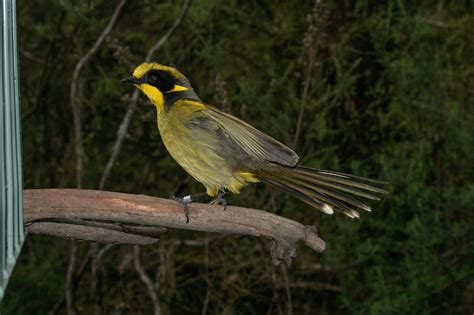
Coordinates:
198 150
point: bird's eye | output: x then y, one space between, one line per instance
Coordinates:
152 79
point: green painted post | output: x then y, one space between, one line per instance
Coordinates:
11 182
19 166
3 206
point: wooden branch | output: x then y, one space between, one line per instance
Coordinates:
122 130
75 106
110 217
145 279
169 32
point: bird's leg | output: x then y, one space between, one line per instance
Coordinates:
187 200
220 200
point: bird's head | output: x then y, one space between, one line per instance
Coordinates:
155 80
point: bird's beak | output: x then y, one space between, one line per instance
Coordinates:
132 80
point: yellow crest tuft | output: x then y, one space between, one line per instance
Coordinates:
144 67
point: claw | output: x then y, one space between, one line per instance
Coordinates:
220 200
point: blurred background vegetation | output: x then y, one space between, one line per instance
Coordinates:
382 89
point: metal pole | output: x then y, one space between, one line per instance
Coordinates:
11 182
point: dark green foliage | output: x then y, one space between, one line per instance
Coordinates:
390 96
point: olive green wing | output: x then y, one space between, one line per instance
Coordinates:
255 143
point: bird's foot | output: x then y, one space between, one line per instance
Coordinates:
220 200
184 203
186 200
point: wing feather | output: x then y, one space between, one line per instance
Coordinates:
254 142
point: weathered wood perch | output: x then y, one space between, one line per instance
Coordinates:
110 217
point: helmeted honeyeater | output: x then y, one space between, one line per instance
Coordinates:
225 154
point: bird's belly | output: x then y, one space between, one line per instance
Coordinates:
202 160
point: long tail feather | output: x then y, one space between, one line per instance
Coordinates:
300 195
324 190
344 175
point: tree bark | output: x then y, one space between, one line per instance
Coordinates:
111 217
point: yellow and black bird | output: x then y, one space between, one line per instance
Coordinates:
225 154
